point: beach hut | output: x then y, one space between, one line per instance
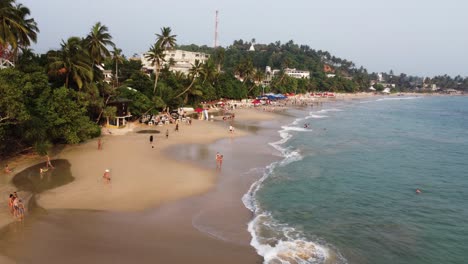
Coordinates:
122 113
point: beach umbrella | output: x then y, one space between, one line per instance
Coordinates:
199 110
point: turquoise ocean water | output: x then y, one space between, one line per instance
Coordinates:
345 190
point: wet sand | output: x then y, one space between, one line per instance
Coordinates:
209 227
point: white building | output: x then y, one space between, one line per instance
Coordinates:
290 72
380 77
183 60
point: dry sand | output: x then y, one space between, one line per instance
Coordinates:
142 176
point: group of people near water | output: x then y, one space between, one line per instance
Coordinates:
16 206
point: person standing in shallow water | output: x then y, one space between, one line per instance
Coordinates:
48 163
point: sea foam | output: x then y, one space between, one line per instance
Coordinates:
289 246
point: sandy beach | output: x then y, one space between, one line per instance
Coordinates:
143 179
169 190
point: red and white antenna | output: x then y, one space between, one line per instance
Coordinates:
216 30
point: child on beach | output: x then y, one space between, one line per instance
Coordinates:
177 127
231 129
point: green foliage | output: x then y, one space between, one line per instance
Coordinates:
140 102
65 116
379 87
141 82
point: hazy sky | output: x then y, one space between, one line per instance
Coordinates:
418 37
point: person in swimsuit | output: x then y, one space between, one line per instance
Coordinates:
15 206
48 163
217 159
21 209
106 176
220 161
10 203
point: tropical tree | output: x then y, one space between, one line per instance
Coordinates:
208 71
156 56
194 74
118 59
165 39
16 28
218 57
97 41
258 77
72 61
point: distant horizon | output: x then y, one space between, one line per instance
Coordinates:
420 38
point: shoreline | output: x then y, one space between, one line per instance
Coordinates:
205 181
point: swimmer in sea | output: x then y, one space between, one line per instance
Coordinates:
418 191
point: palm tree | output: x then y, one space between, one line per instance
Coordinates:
73 61
208 71
97 41
165 39
117 58
156 56
218 57
16 29
193 73
258 77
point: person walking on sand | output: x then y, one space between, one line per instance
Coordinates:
151 139
220 161
106 177
177 127
231 129
217 159
99 144
167 133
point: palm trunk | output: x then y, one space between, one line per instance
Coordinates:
253 86
66 80
156 75
188 88
116 74
102 110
